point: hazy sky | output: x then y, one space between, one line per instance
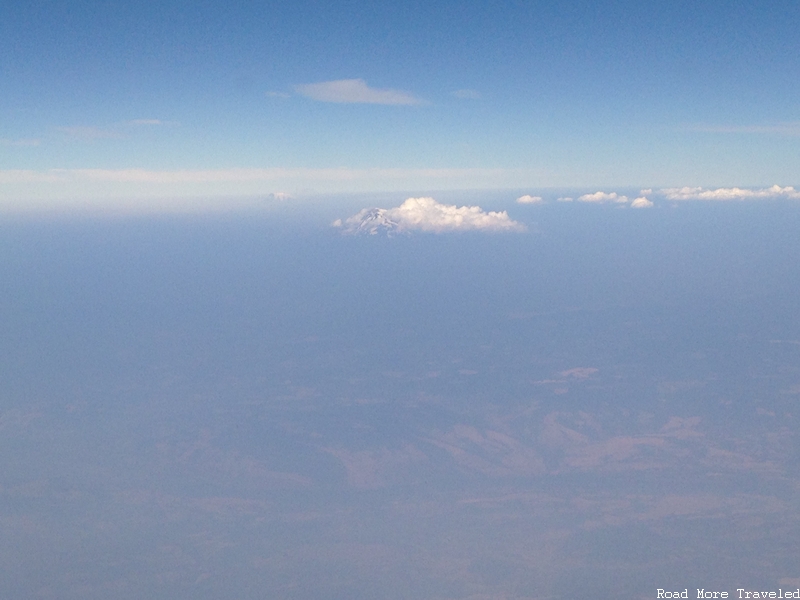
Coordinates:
261 97
595 403
365 301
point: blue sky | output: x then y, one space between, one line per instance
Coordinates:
491 301
543 94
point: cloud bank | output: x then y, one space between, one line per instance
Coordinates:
161 190
354 91
735 193
425 214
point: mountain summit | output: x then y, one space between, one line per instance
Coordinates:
426 214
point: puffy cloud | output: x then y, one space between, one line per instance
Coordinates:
528 199
641 202
353 91
565 199
603 197
425 214
735 193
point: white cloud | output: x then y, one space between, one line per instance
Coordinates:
353 91
735 193
641 202
565 199
425 214
527 199
603 197
467 94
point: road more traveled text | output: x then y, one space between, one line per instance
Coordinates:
740 593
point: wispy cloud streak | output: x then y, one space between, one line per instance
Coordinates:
354 91
467 94
146 122
734 193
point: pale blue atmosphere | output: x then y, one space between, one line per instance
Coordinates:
250 406
358 301
550 94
